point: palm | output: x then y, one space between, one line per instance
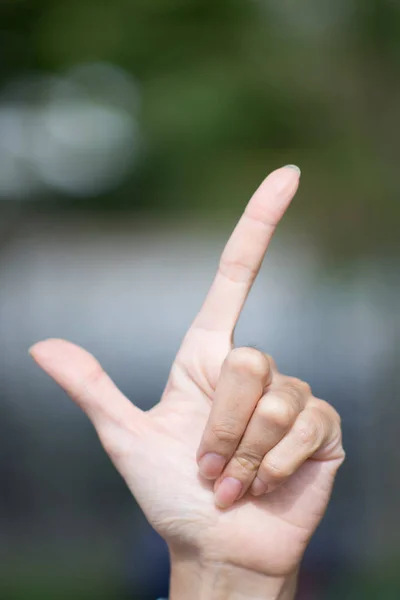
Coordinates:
180 504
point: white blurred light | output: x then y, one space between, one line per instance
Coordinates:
77 134
17 177
108 82
83 148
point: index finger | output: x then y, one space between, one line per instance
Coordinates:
244 253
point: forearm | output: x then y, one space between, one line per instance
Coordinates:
217 581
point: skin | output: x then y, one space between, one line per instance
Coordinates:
235 465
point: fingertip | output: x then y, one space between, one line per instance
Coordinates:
41 349
228 491
58 356
36 348
258 487
294 168
211 465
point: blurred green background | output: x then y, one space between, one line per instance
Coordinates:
132 134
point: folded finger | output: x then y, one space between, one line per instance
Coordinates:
273 417
86 382
313 430
244 375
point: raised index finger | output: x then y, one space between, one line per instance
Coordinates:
243 255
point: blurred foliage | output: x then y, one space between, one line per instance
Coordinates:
230 90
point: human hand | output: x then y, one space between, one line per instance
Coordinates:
227 402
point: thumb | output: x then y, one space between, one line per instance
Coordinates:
84 380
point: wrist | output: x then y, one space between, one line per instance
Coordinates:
200 580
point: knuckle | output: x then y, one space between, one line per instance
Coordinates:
249 361
296 387
333 413
338 446
309 428
93 378
272 362
324 407
225 433
274 472
337 417
305 388
236 270
248 461
277 412
95 375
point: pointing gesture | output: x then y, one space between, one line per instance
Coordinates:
244 252
235 465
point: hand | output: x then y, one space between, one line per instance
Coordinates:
264 431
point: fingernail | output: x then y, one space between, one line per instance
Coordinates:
228 492
258 487
211 465
294 167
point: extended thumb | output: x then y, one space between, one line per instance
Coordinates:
84 380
